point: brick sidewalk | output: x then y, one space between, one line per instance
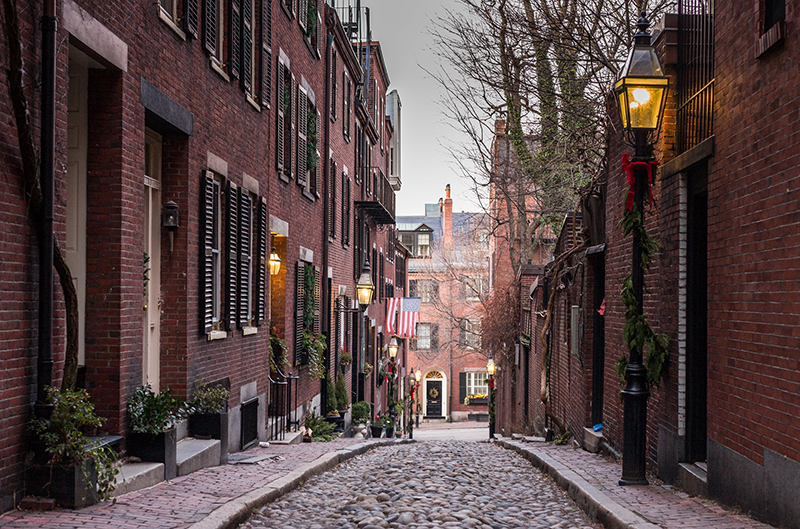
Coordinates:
185 500
661 505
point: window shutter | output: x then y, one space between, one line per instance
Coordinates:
462 333
380 278
333 80
281 105
247 45
332 199
232 238
245 252
462 387
191 17
317 299
302 15
210 26
345 210
412 288
302 134
435 336
266 52
300 294
261 262
235 40
208 243
293 126
318 168
435 293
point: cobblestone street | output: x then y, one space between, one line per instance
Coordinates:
427 484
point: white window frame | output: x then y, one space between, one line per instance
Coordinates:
424 336
477 383
420 246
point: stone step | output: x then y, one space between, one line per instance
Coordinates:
289 438
693 479
137 476
194 454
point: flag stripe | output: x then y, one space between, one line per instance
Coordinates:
391 312
409 317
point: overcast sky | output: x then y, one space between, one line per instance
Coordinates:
402 27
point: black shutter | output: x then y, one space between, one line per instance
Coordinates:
191 17
235 38
412 288
247 45
281 105
345 210
302 136
380 278
435 293
261 262
462 387
434 336
266 52
231 240
318 167
210 26
300 294
245 255
332 199
207 235
292 136
332 91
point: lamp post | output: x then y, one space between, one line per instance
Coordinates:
491 369
641 90
365 289
418 377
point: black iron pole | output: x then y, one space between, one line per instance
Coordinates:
417 404
635 394
491 407
44 362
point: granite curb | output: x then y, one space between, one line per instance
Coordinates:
239 509
597 505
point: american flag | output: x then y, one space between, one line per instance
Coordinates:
391 311
409 317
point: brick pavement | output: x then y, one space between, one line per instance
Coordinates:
659 504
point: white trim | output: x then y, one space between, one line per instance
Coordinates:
216 335
94 35
167 19
282 57
247 331
278 226
250 183
216 164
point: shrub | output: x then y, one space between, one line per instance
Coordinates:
342 398
153 413
208 399
321 430
361 412
331 401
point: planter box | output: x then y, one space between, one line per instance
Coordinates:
71 486
376 431
478 401
390 432
207 425
160 448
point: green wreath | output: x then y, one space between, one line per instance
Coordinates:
433 393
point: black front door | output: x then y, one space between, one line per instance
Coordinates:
434 408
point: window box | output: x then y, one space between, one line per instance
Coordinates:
473 402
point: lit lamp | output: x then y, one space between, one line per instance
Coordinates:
365 289
491 369
641 91
274 262
171 220
418 375
393 347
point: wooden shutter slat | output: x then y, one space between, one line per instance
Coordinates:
244 254
462 387
210 26
281 104
299 354
207 257
265 73
232 240
235 38
317 299
261 262
292 136
333 205
302 14
191 17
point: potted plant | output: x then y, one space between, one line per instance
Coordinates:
152 435
388 425
345 359
208 411
376 428
360 417
368 369
73 471
342 398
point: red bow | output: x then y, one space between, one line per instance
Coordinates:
628 167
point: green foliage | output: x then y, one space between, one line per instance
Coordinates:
368 368
331 401
346 358
145 273
321 430
278 361
312 157
311 17
65 440
620 367
632 223
385 421
314 344
153 413
562 439
360 412
342 398
309 281
640 336
207 399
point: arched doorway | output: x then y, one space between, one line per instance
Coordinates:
435 395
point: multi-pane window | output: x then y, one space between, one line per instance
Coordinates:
170 9
423 245
249 49
469 334
477 383
214 33
347 98
424 336
428 291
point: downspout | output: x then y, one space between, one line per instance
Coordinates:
44 364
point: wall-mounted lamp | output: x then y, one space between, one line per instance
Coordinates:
171 220
274 262
365 289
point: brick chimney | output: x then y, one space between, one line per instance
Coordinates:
447 217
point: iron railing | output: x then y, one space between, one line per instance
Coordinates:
279 410
695 91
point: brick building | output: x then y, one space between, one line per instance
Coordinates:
448 271
235 116
722 421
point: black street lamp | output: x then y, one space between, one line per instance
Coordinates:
641 90
491 369
418 377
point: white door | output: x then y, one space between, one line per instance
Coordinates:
151 261
75 215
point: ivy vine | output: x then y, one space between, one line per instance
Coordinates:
312 157
637 331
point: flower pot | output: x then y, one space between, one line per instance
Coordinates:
206 425
390 432
72 486
376 431
157 448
